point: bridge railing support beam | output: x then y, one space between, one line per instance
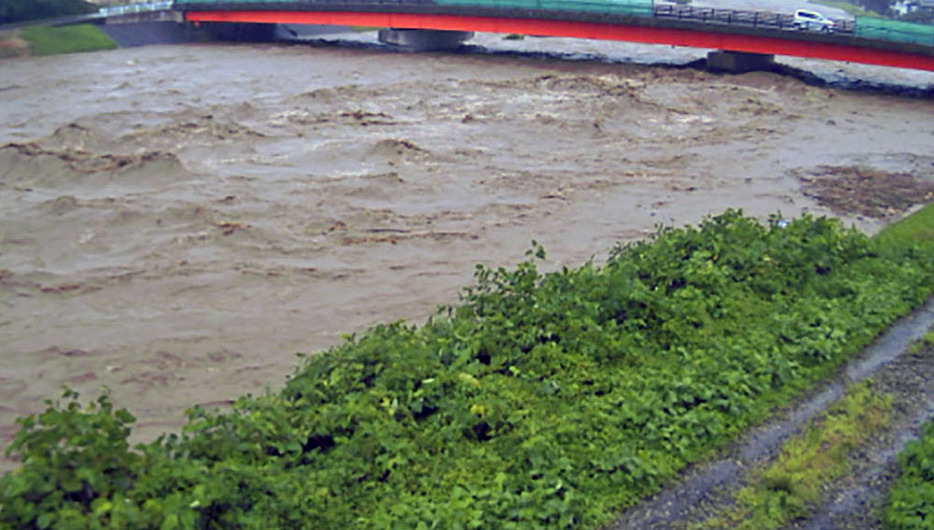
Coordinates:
739 62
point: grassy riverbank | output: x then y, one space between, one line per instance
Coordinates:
915 229
543 400
47 40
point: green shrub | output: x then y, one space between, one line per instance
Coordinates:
911 501
542 401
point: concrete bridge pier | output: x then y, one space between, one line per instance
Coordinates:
739 62
424 39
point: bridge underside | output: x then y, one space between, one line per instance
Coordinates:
585 30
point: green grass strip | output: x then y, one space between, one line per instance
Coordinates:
47 40
786 489
912 230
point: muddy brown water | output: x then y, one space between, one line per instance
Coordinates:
178 222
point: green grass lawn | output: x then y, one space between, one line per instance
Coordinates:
915 228
787 488
47 40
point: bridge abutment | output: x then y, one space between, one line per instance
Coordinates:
424 39
739 62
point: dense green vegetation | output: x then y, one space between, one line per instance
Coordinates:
543 400
46 40
911 501
26 10
789 487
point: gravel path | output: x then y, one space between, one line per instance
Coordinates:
852 500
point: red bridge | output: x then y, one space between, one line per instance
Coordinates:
732 31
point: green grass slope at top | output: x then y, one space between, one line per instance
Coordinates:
47 40
914 229
793 482
541 401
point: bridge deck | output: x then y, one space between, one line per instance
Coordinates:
650 30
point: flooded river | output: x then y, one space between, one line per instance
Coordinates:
178 222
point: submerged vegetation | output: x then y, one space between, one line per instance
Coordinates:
543 400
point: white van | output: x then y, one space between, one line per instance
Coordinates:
814 21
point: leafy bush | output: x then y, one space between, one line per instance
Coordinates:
543 400
911 501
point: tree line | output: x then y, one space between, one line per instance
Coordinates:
887 8
25 10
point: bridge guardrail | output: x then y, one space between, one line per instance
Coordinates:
642 8
636 8
756 19
589 10
163 5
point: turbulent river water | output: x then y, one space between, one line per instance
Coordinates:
178 222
